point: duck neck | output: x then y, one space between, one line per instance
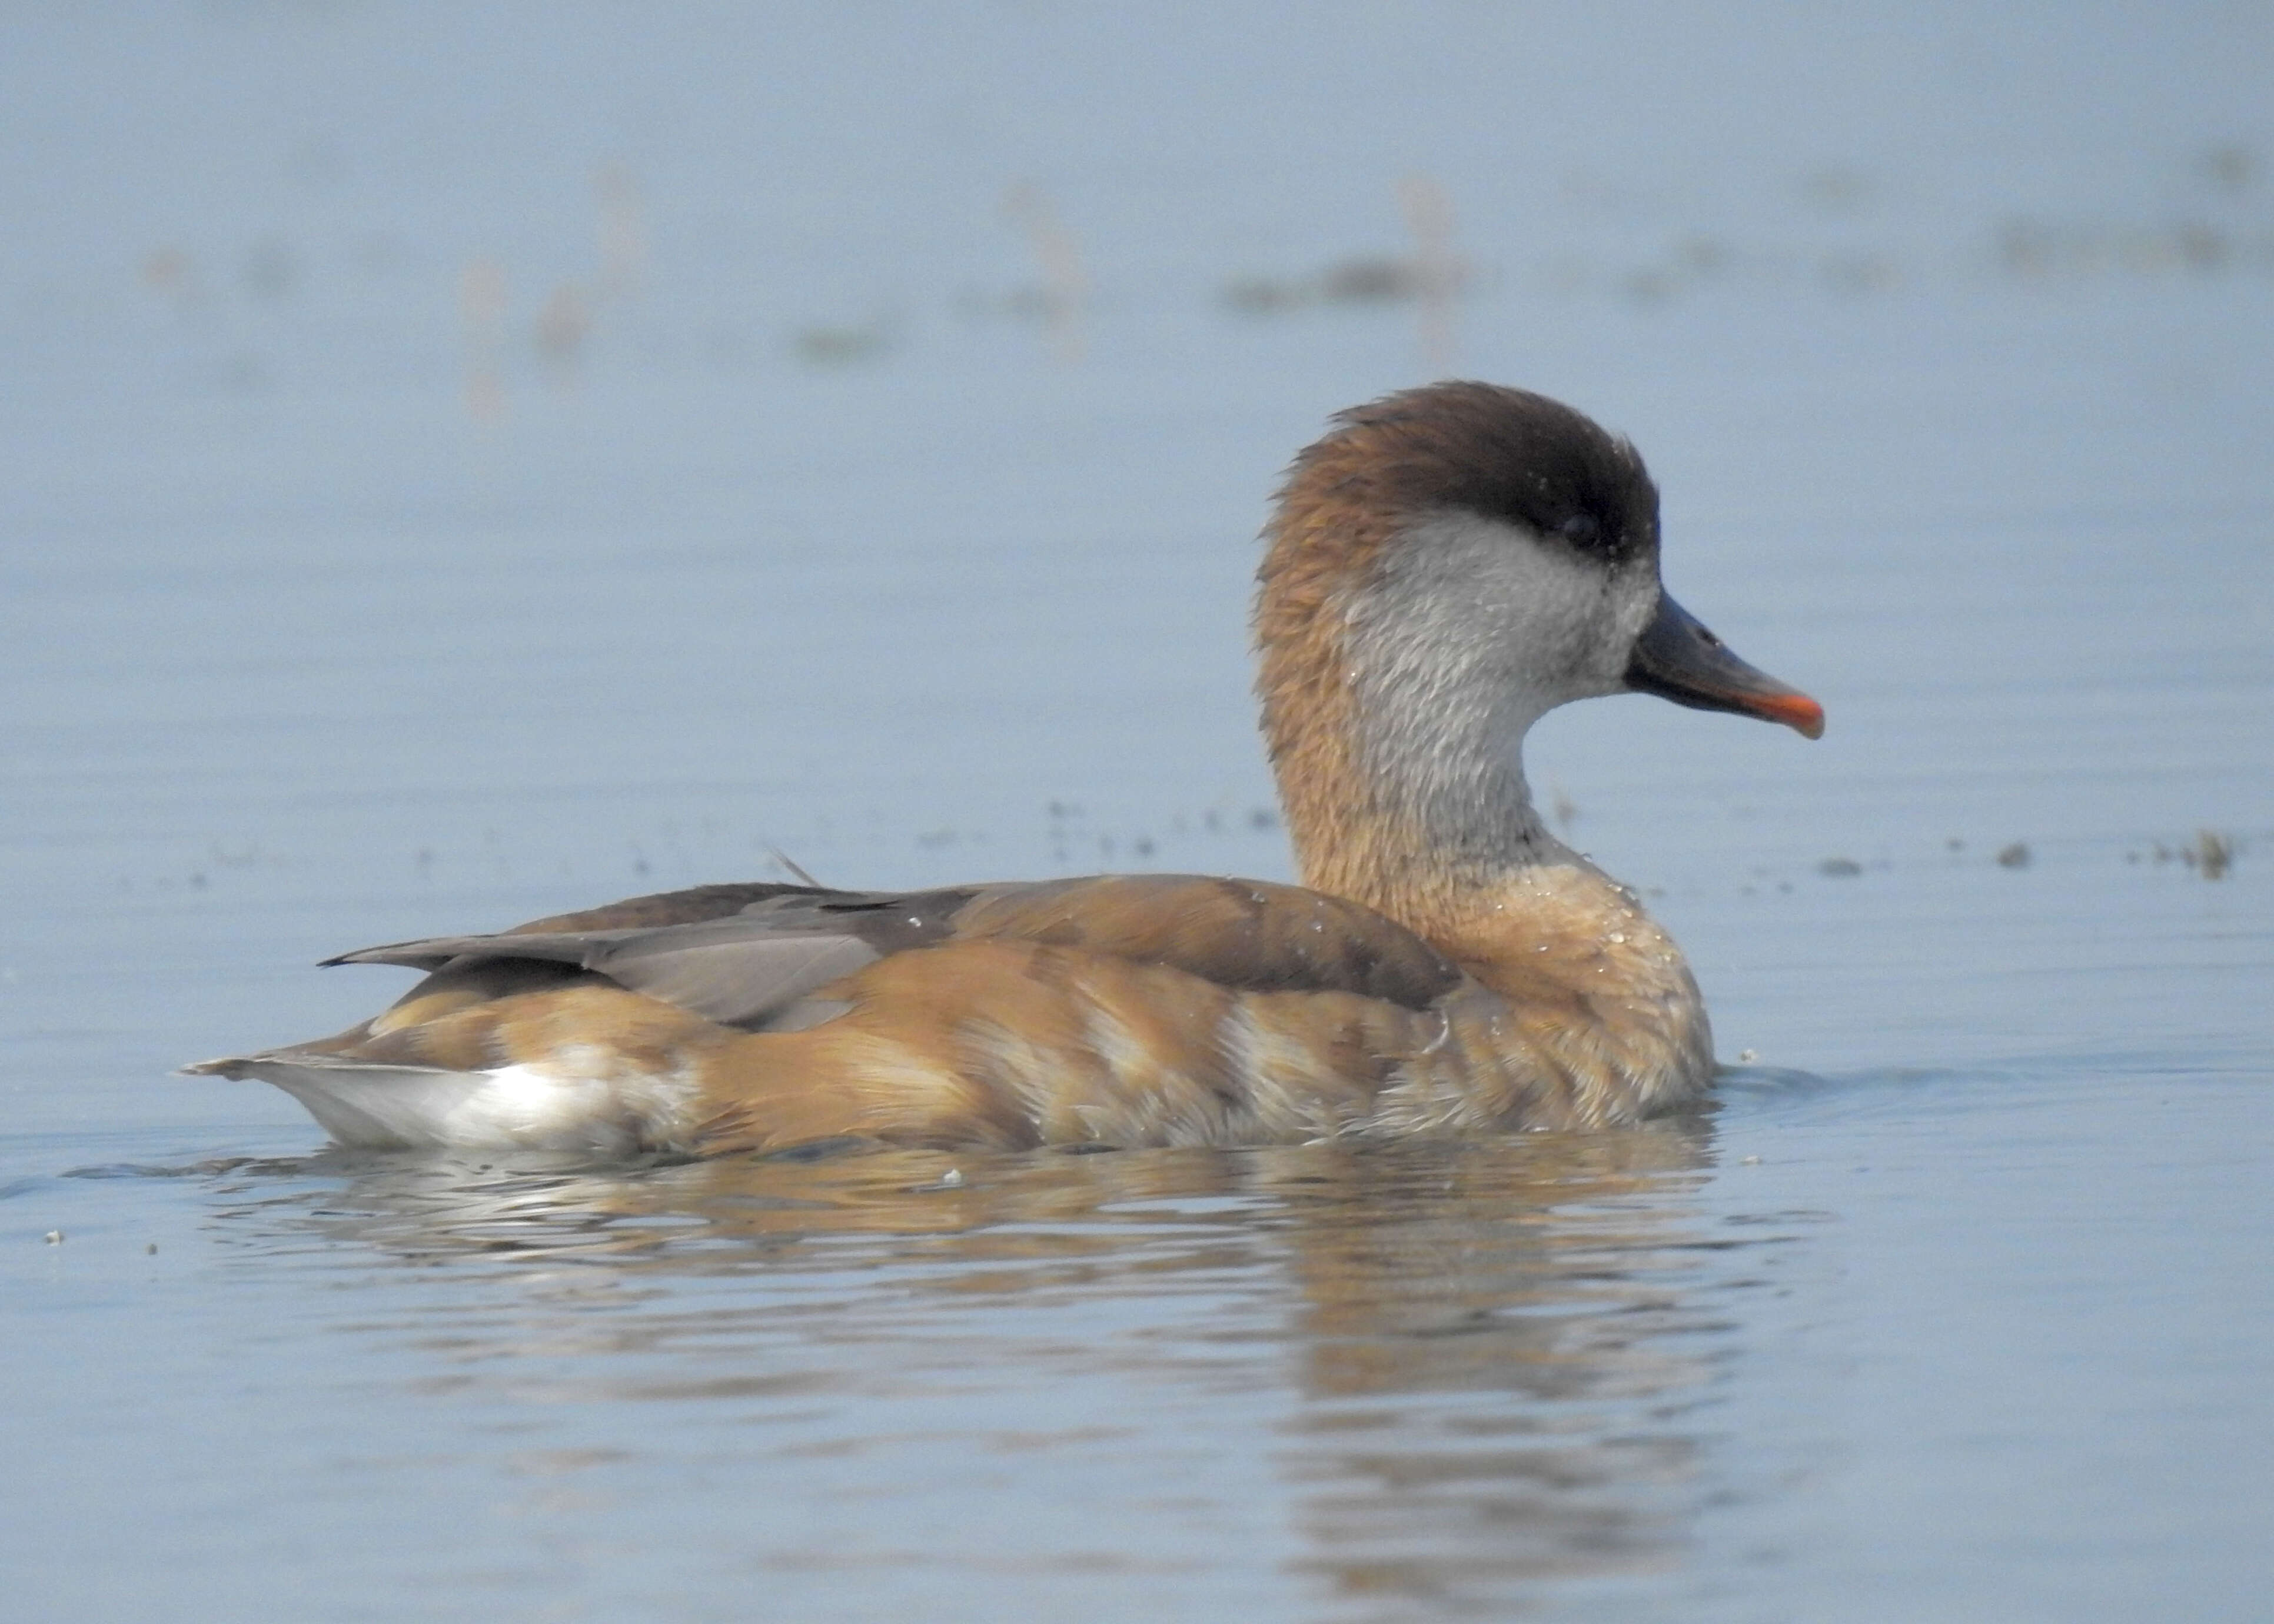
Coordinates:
1396 720
1422 815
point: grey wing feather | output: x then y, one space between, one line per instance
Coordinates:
745 969
735 979
571 947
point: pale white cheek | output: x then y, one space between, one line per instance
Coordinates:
1484 617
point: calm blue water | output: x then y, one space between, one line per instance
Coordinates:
459 468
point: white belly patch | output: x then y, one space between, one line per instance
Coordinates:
565 1102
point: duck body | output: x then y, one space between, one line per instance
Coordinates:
1443 567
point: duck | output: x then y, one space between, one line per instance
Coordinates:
1442 569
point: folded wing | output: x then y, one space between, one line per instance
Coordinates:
754 957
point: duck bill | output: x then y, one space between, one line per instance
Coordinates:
1677 658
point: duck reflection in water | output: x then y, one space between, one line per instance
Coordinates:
1475 1356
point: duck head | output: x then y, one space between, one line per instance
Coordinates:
1445 566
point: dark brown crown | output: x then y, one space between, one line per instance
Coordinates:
1506 454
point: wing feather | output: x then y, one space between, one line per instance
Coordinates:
748 956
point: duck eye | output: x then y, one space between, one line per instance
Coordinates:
1579 530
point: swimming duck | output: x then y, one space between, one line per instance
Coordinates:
1443 567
